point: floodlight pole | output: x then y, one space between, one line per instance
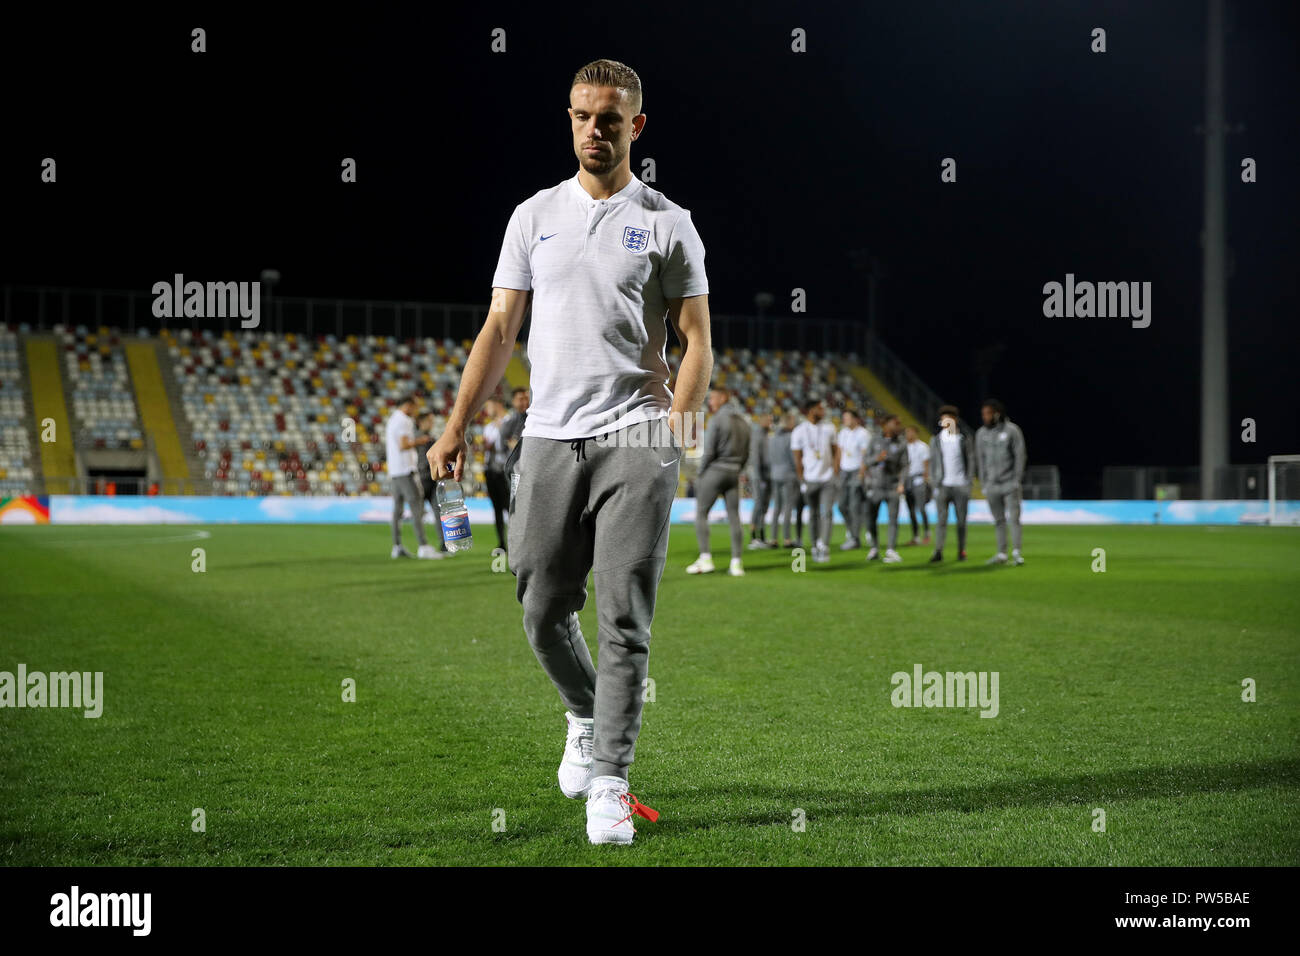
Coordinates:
1214 320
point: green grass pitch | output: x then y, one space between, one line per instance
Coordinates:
1120 691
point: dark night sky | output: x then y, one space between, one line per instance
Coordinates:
1068 161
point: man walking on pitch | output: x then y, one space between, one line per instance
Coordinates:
607 260
785 483
428 487
853 441
816 459
760 482
952 453
918 483
494 467
400 441
726 446
1000 458
883 472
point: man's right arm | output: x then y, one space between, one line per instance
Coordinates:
483 371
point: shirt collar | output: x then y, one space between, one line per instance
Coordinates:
622 195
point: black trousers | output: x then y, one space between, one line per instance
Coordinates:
498 489
429 493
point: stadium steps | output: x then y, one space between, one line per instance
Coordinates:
877 390
33 429
58 460
184 431
517 374
155 407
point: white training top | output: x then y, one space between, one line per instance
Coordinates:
853 444
918 453
401 461
601 272
815 442
954 469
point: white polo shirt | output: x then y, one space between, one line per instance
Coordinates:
815 441
954 467
853 444
601 272
401 461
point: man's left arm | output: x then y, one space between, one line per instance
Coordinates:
1018 440
690 318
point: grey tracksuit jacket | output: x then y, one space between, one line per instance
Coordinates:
780 460
726 440
883 477
758 464
1000 456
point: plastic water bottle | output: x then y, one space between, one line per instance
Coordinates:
454 515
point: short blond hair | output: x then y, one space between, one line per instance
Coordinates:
611 73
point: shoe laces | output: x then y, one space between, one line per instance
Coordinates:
630 803
583 742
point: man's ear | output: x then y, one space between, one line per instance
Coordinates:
638 124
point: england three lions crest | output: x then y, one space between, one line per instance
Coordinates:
635 240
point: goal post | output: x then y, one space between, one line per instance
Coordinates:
1284 489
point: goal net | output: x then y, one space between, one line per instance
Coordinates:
1284 489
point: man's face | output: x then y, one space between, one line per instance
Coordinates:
816 412
988 415
910 432
890 427
717 400
603 126
408 408
520 401
850 420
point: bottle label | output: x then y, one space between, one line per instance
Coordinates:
455 527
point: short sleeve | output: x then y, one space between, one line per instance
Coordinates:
514 270
683 272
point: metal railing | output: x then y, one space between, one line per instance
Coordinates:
1149 482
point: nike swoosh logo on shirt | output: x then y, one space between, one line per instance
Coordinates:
551 236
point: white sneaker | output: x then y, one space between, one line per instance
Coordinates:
575 768
703 565
850 544
737 570
1016 558
428 553
756 545
893 557
610 809
400 552
873 554
998 558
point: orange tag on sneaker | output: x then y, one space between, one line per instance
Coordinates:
641 810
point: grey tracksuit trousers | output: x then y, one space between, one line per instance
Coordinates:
1004 503
820 498
959 495
787 504
853 503
597 505
762 498
406 492
718 481
874 497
